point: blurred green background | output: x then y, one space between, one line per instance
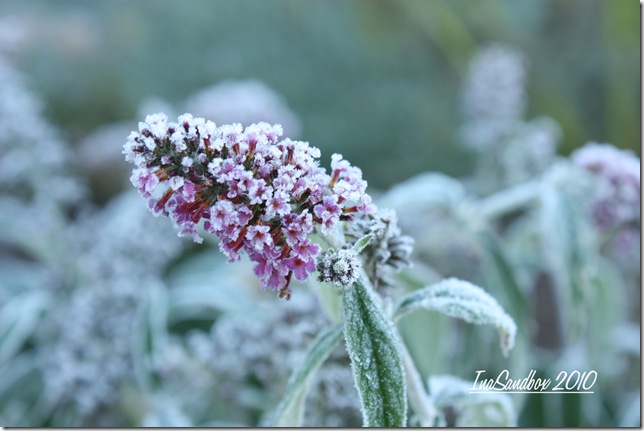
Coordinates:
377 80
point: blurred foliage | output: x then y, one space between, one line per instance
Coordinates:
375 80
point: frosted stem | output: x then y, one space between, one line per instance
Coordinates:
508 200
418 398
330 299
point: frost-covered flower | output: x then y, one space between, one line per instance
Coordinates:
122 240
493 96
617 199
92 353
254 192
389 251
246 101
341 268
531 150
34 162
266 358
88 343
510 148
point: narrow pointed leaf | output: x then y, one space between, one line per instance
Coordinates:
463 300
499 273
290 411
362 243
376 360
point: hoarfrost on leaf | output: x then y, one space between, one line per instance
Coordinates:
462 300
375 358
472 410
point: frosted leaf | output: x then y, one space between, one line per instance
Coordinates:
362 243
291 409
375 358
557 233
18 319
463 300
472 410
423 192
166 413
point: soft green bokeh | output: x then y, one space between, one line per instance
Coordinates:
377 81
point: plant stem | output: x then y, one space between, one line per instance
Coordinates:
418 397
330 299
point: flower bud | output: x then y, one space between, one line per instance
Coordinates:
341 268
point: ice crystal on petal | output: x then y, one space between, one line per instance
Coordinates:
341 268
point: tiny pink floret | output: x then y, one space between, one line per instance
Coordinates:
257 194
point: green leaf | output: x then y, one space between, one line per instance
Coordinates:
568 252
203 286
19 319
362 243
500 275
290 410
375 358
463 300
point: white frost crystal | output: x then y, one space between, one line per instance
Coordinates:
462 300
341 268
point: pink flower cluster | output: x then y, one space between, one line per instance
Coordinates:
617 199
256 193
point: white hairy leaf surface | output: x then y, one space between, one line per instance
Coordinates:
290 411
462 300
376 360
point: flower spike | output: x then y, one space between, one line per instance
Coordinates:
256 193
